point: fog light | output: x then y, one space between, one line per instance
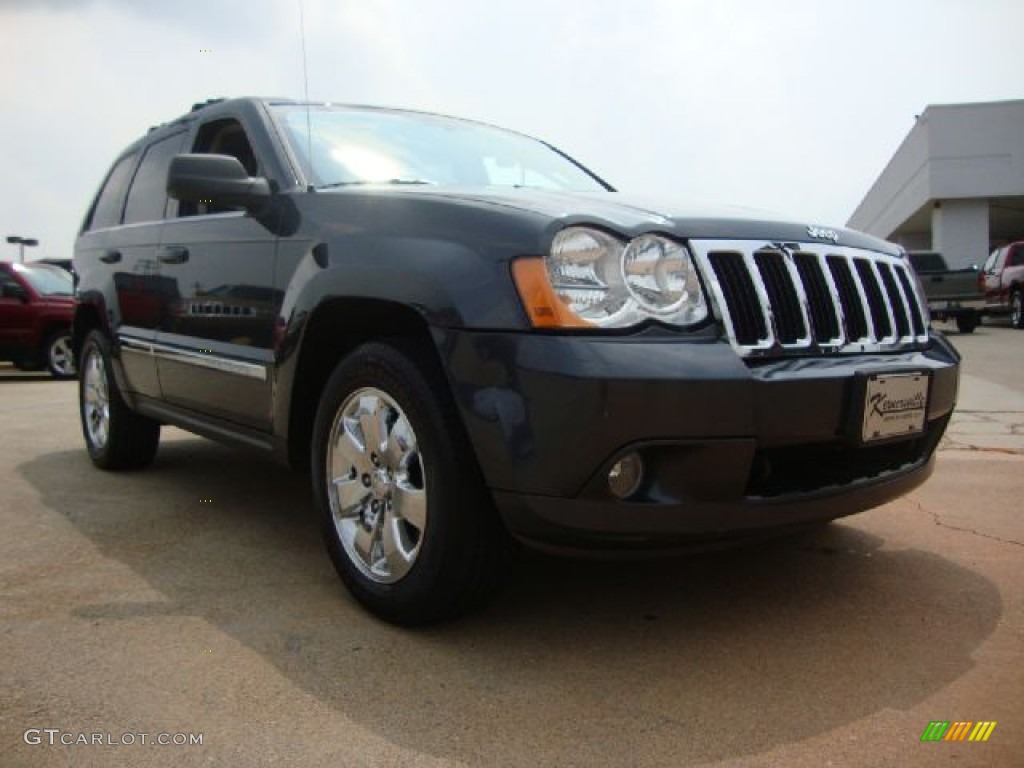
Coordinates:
626 475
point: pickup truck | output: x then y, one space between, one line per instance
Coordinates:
1002 279
36 307
470 339
952 294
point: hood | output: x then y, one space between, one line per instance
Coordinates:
632 215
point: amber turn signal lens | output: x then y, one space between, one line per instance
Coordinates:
542 304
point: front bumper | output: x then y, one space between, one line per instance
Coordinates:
729 446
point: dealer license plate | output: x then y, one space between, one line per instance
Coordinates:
894 406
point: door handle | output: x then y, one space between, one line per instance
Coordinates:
110 257
174 254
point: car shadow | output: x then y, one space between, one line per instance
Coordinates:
949 328
698 658
14 375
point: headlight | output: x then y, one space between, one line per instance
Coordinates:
585 270
593 279
662 279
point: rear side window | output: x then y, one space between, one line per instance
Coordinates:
107 210
147 198
1016 257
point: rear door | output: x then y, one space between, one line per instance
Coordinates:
120 255
214 347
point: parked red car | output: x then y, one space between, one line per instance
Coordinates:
1002 280
36 307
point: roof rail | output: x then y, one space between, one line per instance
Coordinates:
200 104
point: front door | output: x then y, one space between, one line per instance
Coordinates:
214 346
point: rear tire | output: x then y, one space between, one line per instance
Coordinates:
60 359
406 518
1017 308
115 436
967 323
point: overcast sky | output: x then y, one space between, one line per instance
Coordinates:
789 106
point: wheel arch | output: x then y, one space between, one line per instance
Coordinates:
332 331
49 328
87 317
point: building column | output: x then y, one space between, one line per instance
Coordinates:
960 231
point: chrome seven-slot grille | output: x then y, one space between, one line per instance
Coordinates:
804 298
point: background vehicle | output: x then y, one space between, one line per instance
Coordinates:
66 264
952 294
36 307
465 334
1002 279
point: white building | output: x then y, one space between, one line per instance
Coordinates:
955 185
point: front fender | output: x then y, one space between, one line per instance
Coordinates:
446 283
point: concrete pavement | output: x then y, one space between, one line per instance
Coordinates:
988 417
195 598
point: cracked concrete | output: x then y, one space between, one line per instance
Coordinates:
936 517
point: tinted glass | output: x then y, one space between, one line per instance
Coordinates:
107 211
147 198
363 146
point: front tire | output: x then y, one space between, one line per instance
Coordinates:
1017 308
115 436
60 359
407 521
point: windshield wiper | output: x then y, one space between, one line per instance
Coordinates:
362 182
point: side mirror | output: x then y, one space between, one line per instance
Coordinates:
218 179
14 291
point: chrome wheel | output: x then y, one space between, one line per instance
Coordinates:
376 485
95 399
1017 309
60 356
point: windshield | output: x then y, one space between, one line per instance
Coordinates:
365 146
46 279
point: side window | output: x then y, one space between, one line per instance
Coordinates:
147 197
106 211
1016 257
222 137
6 279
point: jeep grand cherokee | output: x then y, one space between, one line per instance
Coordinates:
466 334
